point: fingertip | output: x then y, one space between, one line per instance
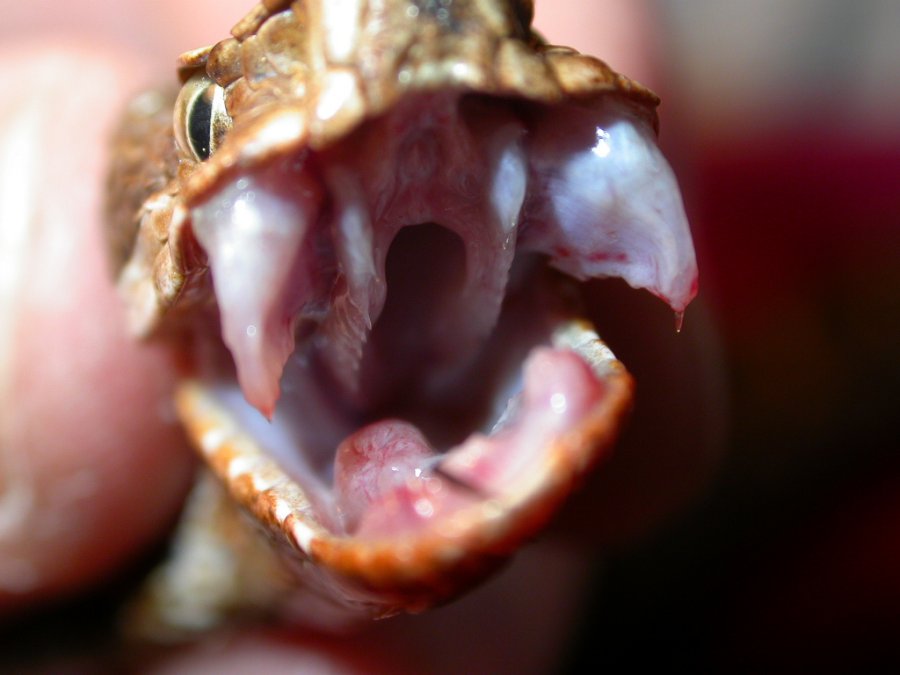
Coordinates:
92 462
621 32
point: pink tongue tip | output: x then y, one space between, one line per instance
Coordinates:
377 460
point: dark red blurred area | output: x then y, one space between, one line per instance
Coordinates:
801 231
792 558
800 245
790 213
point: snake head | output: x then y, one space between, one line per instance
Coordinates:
374 224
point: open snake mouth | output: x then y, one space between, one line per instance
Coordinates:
402 312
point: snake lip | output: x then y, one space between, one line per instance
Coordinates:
365 369
458 538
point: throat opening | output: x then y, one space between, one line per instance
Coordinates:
406 369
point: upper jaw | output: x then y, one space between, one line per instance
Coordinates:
299 246
305 237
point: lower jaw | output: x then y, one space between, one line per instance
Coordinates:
391 524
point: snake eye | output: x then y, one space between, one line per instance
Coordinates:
201 119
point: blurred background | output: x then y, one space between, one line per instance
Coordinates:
767 533
782 120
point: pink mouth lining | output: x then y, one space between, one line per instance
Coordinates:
299 253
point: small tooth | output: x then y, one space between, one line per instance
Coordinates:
489 235
253 232
613 204
510 181
360 298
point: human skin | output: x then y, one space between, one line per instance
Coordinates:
93 466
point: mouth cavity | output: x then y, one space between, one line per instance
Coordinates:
400 306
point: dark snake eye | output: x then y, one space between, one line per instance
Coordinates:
201 119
